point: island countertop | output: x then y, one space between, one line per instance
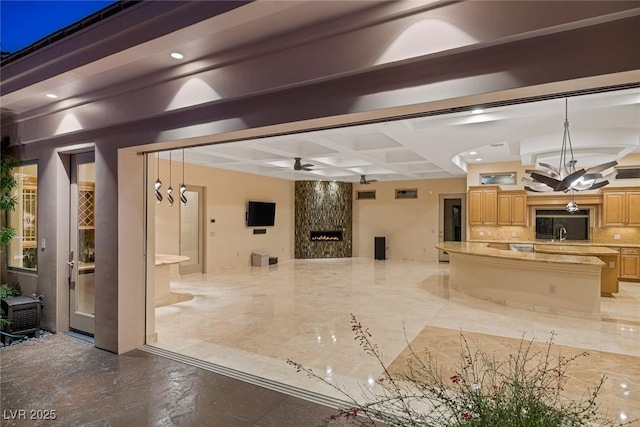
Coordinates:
574 250
580 256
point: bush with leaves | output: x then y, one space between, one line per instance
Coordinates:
8 182
525 389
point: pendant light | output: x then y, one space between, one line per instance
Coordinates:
183 188
170 189
566 177
158 183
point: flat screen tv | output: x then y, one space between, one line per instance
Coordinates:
261 214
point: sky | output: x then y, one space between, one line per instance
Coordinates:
23 22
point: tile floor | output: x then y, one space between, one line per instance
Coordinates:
63 381
253 319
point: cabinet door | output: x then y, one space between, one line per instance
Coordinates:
490 207
475 207
504 209
629 263
614 209
519 209
633 208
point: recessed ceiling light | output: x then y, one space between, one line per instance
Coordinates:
478 159
51 95
473 153
177 55
477 111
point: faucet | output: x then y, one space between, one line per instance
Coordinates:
562 234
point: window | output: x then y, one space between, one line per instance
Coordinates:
551 223
368 194
23 249
407 193
504 178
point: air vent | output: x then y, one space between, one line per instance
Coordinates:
628 172
366 194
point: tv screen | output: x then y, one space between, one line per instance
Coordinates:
261 214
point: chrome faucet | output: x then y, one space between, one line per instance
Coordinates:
562 234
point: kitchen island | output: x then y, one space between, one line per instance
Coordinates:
565 284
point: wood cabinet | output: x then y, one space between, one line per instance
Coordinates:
621 207
629 263
483 205
512 208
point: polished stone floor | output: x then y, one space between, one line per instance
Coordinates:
63 381
254 319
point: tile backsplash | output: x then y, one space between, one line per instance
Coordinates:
608 235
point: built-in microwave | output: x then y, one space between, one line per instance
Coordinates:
552 224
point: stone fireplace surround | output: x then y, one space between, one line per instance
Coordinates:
323 208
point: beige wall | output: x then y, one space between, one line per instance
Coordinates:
228 241
410 226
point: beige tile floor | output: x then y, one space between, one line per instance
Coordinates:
253 319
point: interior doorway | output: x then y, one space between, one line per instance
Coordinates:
82 244
192 231
452 221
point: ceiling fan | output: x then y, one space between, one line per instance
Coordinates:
298 166
364 180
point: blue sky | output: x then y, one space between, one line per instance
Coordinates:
23 22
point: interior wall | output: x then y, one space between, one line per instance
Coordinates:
409 225
228 241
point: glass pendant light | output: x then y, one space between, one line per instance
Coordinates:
158 183
170 189
183 188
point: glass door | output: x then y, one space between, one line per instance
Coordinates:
82 244
192 231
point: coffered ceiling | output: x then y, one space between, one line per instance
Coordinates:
604 126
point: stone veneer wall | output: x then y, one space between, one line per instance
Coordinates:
323 206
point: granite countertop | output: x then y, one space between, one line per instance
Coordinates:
574 250
481 249
166 259
563 243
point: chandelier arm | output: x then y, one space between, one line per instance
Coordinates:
569 180
555 184
551 168
602 167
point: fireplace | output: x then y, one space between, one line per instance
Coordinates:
326 236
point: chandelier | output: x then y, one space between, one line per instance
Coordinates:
567 177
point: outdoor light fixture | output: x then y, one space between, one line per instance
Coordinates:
566 177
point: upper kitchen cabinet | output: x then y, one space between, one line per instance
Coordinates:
483 205
621 207
512 207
